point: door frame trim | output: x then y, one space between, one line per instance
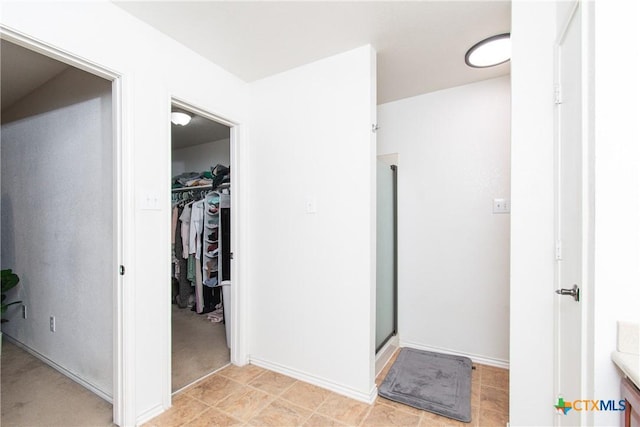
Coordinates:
123 394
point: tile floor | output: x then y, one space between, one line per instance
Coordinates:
252 396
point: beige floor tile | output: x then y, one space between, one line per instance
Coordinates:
183 409
475 394
493 399
248 396
343 409
242 374
318 420
493 419
475 416
399 406
476 373
306 395
212 417
272 382
430 419
383 374
495 377
383 415
281 413
245 403
214 389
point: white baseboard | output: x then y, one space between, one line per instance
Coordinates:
483 360
384 355
318 381
44 359
150 414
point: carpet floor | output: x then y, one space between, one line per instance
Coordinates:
34 394
198 347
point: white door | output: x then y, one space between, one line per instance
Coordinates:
570 220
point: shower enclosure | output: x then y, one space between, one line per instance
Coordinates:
387 255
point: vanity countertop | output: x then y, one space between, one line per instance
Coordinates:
627 354
629 364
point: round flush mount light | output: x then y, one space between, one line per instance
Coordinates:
489 52
180 118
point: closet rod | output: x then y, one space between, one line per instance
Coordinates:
196 187
201 187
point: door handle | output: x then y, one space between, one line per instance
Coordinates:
574 292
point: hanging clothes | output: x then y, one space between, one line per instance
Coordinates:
184 285
195 248
194 253
185 221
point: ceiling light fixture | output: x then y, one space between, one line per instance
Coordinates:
180 118
489 52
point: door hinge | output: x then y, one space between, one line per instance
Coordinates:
121 270
374 127
557 94
230 255
558 250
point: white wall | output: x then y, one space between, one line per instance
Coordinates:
57 223
312 275
617 189
154 68
201 157
453 252
531 340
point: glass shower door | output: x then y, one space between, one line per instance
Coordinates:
386 293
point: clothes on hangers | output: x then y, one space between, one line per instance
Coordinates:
195 240
185 220
184 286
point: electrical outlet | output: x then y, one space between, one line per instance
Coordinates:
24 311
501 206
52 323
311 205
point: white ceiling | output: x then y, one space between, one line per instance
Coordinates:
22 71
420 44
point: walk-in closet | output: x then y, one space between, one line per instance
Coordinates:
201 188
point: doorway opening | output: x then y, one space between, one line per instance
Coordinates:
61 236
386 259
201 279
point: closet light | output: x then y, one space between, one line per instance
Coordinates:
489 52
180 118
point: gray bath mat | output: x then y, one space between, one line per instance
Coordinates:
434 382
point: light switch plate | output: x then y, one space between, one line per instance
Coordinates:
150 201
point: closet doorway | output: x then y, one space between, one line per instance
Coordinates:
201 187
60 235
